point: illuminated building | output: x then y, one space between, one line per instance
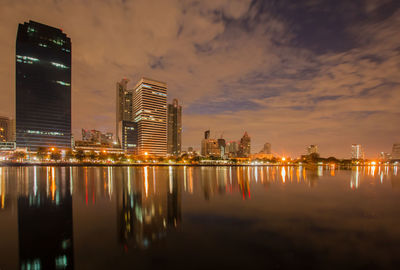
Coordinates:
312 149
43 87
97 136
5 129
174 128
123 107
244 146
356 151
210 147
150 113
396 151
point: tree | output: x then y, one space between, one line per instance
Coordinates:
41 153
55 155
80 155
19 155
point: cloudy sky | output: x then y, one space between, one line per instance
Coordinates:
288 72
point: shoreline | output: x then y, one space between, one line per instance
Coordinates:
11 164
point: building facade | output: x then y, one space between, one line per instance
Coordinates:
312 149
124 107
5 126
244 146
396 151
357 151
150 114
174 144
43 87
129 136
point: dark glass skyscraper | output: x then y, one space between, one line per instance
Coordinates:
43 87
174 143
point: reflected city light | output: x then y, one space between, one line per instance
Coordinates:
283 174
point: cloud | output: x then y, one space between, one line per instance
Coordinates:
265 67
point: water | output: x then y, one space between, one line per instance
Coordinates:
199 218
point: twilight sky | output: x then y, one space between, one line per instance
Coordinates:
288 72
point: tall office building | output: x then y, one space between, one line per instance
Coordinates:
312 149
174 128
124 107
244 146
150 113
396 151
356 151
129 136
43 87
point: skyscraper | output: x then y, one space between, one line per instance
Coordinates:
150 112
124 107
266 149
174 128
396 151
244 146
43 87
129 136
356 151
312 149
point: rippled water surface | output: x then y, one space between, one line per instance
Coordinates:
199 218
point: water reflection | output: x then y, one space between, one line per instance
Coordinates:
62 218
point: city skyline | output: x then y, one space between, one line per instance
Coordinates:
332 85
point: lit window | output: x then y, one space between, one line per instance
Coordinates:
63 83
59 65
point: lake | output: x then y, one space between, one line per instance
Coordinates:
199 217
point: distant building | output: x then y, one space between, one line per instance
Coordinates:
396 151
124 107
244 146
266 149
43 87
174 143
356 151
207 134
190 149
97 136
384 156
150 113
5 126
222 145
312 149
232 148
210 147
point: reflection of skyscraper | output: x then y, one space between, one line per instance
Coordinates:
45 224
147 207
174 128
43 87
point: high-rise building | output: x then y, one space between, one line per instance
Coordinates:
207 134
210 147
43 87
150 113
244 146
396 151
266 149
312 149
232 148
174 128
356 151
222 145
124 107
5 127
129 136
